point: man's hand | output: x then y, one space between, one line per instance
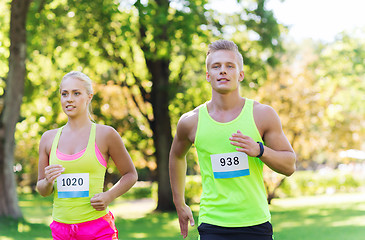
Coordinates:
185 215
245 144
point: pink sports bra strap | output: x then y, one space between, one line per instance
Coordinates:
67 157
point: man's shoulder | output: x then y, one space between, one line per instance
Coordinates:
191 114
261 108
188 123
265 116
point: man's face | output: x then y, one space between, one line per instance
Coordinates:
223 71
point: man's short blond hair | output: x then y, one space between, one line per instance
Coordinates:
225 45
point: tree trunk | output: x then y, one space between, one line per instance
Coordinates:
10 115
161 127
271 195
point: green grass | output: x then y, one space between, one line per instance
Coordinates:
138 220
335 217
35 225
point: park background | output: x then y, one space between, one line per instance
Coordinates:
147 61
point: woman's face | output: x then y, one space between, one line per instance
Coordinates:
74 97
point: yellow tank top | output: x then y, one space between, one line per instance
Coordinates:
233 194
82 179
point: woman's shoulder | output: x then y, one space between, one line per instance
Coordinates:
107 137
105 131
49 134
47 140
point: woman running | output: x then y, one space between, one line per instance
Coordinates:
72 164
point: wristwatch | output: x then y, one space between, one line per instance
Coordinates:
261 149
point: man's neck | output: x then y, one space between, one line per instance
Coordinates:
225 102
225 108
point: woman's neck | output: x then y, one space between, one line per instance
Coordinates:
78 123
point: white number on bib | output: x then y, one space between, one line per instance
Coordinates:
230 165
73 185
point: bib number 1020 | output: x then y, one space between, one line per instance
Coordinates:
73 185
229 161
72 182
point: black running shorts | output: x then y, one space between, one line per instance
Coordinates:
258 232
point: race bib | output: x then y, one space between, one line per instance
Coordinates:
73 185
230 165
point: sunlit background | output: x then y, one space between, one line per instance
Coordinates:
310 67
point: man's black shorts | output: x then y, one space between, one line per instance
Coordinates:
258 232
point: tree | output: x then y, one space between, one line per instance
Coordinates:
318 93
158 64
10 113
167 35
151 53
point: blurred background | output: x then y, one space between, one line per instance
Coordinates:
147 61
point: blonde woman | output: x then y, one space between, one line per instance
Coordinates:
72 164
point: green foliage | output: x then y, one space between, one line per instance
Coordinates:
193 189
4 46
114 43
301 183
140 191
310 91
309 183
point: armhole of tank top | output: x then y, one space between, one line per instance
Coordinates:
198 124
98 154
100 157
252 102
56 139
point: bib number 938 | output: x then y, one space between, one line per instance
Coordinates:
230 165
229 161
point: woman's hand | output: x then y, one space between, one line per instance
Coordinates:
100 201
52 172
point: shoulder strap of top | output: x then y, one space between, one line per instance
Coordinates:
91 143
203 113
249 105
203 108
247 109
92 136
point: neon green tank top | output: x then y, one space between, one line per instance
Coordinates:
233 194
81 180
